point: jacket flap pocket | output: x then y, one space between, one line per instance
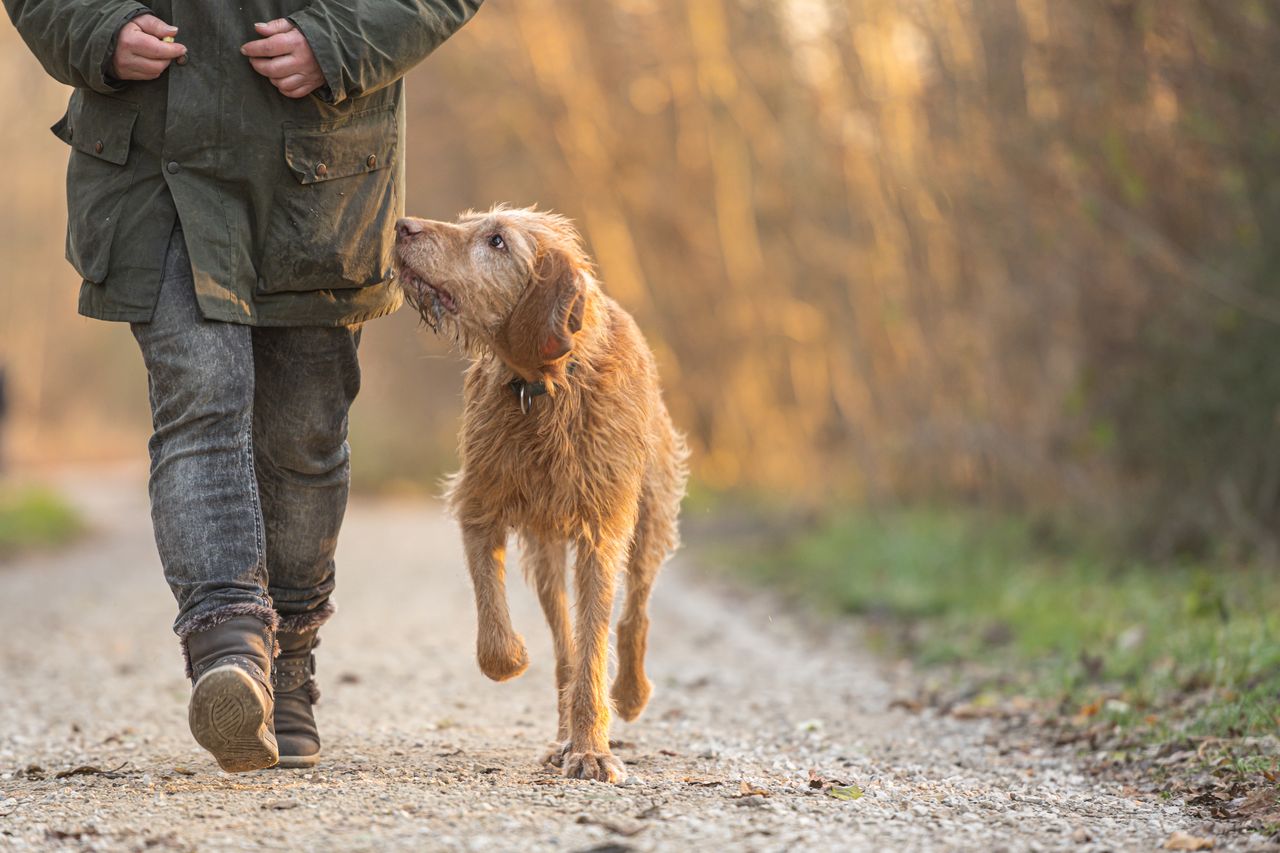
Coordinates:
100 127
353 145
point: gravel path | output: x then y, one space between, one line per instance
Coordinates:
422 752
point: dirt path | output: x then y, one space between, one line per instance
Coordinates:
424 753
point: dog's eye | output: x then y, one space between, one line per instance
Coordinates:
497 242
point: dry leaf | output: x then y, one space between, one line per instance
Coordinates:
280 805
746 789
704 783
615 828
89 770
1182 841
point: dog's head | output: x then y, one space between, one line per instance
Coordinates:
510 281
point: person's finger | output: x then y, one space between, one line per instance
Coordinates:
271 28
289 81
153 48
276 45
153 26
279 66
300 92
137 68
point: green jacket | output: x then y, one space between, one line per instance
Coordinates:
288 206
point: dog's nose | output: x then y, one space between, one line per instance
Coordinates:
407 227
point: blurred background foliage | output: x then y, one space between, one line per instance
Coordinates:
1016 253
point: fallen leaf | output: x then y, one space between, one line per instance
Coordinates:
1261 800
668 752
89 770
704 783
185 771
844 792
914 706
821 783
1183 841
280 805
348 678
746 789
615 828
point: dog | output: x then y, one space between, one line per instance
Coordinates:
566 440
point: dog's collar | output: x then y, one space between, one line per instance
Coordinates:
526 391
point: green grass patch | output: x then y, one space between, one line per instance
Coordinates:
1188 648
33 517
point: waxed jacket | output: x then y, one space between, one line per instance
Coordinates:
287 206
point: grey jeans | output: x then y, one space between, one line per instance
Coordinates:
249 458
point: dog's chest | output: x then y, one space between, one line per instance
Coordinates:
556 467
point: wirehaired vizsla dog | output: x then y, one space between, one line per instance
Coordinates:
566 440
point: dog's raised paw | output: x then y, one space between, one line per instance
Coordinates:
630 696
595 766
555 756
504 660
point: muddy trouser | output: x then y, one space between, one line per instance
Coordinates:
249 458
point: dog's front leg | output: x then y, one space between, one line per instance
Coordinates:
500 650
588 755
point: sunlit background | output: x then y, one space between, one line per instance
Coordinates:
1014 251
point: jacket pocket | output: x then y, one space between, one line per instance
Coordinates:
330 224
100 132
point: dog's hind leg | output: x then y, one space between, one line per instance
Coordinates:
499 649
544 567
654 538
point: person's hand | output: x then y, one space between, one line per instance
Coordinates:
141 50
283 56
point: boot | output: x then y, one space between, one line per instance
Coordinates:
295 692
231 702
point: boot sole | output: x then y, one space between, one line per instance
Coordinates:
298 762
229 717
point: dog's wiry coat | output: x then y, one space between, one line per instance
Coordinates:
595 463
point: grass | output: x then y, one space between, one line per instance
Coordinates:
1171 650
33 517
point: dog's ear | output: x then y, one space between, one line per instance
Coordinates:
542 325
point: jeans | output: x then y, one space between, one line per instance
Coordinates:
249 458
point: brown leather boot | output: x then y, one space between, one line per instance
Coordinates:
295 692
231 702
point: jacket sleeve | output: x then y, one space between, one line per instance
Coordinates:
73 38
363 46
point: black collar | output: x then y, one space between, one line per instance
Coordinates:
526 391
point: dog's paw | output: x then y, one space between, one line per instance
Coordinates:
503 659
630 696
596 766
555 756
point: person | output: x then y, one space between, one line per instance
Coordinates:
232 189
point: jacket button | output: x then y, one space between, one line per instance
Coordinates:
97 147
321 170
181 60
372 162
173 168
